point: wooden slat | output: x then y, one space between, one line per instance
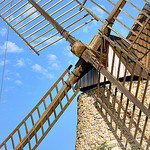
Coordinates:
47 25
69 33
109 91
118 72
2 1
36 127
61 106
66 87
65 90
33 110
114 102
113 61
137 125
123 128
127 104
19 35
61 112
32 120
42 128
16 10
137 36
19 135
125 91
33 26
114 17
120 105
138 64
5 146
44 104
36 138
29 143
38 112
6 4
48 120
146 86
137 7
58 32
26 127
143 132
12 140
53 107
11 7
103 96
82 4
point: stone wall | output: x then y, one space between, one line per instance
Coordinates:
94 126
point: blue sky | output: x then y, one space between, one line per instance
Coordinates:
28 77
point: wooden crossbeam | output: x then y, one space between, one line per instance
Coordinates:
87 56
123 128
60 29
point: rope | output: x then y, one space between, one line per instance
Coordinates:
3 73
4 66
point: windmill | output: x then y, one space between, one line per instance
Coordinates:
93 55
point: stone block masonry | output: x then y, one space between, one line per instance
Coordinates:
95 127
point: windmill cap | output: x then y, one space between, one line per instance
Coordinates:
147 8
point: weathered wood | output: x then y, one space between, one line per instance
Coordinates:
140 43
87 55
123 128
82 4
60 29
131 57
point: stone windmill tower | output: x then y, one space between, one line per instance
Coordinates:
121 73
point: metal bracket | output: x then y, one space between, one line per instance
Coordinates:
74 74
99 68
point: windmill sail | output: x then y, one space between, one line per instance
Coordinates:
39 34
55 101
34 29
141 42
90 56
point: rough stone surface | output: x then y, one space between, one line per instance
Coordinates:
96 128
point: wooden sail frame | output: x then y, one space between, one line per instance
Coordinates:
90 55
36 35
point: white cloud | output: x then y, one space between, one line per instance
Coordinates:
67 51
11 48
44 40
28 61
120 17
53 61
90 26
97 11
43 71
55 65
85 29
52 39
37 68
52 57
18 82
20 63
3 32
6 62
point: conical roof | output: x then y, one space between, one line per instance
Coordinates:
141 46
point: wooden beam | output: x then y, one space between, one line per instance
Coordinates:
82 5
60 29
